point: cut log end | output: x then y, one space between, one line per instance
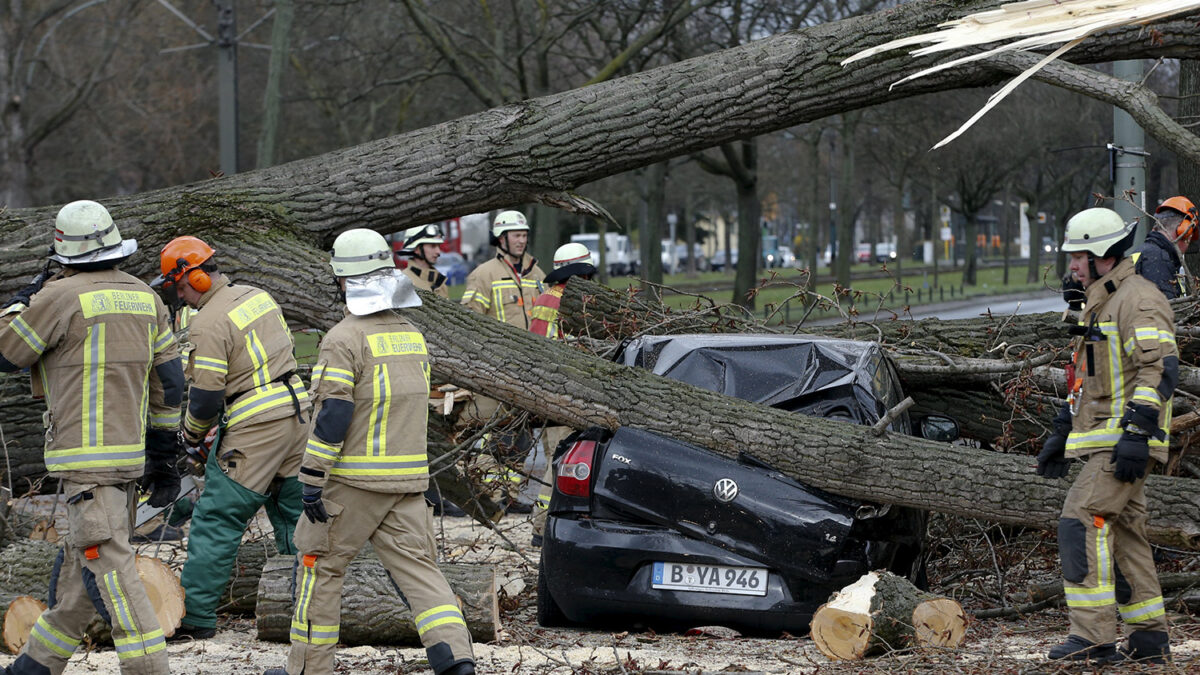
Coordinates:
840 634
19 618
939 622
164 591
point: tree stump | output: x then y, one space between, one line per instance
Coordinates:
164 590
372 611
19 618
881 612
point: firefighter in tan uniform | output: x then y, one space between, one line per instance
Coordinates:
100 349
570 260
1117 419
365 467
423 246
241 370
505 288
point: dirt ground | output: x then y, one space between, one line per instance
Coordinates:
964 564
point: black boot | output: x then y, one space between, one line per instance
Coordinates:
1146 646
460 668
186 632
275 671
1080 649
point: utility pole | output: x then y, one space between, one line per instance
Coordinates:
1127 155
227 117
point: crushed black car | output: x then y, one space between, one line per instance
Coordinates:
647 531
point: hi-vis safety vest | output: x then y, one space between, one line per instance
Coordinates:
378 365
496 288
1120 360
241 345
91 340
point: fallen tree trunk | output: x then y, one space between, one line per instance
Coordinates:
883 612
372 611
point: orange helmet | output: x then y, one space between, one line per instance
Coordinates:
1189 228
183 256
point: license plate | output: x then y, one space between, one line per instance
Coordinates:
710 578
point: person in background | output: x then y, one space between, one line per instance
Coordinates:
1160 257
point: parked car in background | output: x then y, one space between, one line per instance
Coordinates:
718 260
786 257
675 258
644 529
455 267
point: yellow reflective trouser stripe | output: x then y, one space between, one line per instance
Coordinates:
29 335
264 398
321 450
93 387
1104 593
1142 611
86 458
505 474
385 465
543 501
134 644
302 630
381 400
337 375
258 356
53 640
438 616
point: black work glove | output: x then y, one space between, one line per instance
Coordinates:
1130 455
161 477
1072 292
314 508
25 295
1051 461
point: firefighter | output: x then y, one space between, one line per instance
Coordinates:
365 467
1116 419
243 380
99 346
1161 255
505 288
423 246
570 260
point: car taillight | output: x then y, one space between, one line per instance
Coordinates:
575 470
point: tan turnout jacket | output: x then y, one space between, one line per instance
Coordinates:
377 363
91 340
498 289
1122 361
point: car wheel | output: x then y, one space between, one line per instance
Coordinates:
549 614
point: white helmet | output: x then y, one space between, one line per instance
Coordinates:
425 234
360 251
84 232
1099 231
509 221
573 252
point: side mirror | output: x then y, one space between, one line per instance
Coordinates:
938 428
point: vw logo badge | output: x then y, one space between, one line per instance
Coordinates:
725 490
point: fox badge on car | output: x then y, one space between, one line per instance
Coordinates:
725 490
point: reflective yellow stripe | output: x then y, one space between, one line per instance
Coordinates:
1090 597
336 375
321 450
265 398
385 465
1103 558
208 363
256 307
317 373
101 456
29 335
1147 395
258 356
402 343
122 613
52 639
438 616
498 299
167 421
163 341
381 401
314 634
473 296
1142 611
93 387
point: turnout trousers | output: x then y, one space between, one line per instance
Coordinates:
1107 563
97 553
551 437
400 527
256 467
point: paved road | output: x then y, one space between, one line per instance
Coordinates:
1032 303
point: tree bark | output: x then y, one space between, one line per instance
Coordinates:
372 611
